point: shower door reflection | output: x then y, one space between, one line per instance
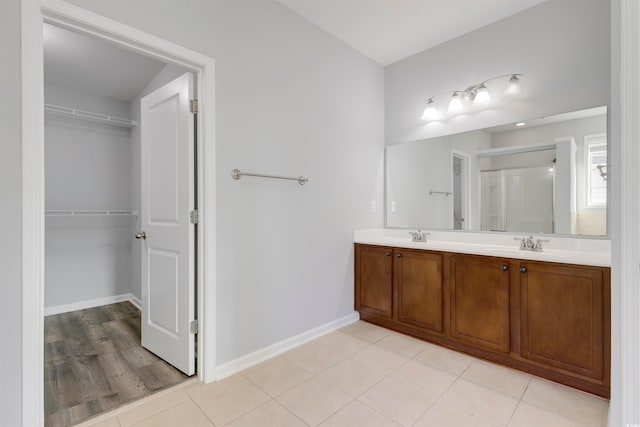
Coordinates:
518 200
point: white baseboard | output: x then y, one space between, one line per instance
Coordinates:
81 305
135 301
240 364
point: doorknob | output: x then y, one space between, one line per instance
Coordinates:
141 235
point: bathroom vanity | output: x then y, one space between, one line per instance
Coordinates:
546 313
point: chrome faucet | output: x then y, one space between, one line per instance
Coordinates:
418 236
528 244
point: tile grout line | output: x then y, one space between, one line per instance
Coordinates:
385 376
519 403
570 389
328 367
272 399
443 392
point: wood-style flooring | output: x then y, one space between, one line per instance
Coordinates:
94 362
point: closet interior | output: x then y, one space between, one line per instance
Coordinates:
93 357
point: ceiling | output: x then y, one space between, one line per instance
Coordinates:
93 66
384 30
390 30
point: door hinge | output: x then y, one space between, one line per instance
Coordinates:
193 105
193 326
194 216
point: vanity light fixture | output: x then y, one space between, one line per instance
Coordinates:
520 124
476 95
430 112
513 87
455 104
482 95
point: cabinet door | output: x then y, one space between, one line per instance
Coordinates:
374 287
480 302
418 276
562 317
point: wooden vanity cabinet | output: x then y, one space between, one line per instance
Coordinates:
373 285
546 318
420 291
479 289
400 284
564 312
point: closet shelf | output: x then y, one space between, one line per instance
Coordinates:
72 113
90 213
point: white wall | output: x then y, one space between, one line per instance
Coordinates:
290 100
87 166
624 188
11 371
415 168
561 46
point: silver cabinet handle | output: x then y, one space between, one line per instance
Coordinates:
141 235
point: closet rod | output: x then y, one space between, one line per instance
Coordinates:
90 213
73 113
236 174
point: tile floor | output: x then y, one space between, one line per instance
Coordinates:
363 375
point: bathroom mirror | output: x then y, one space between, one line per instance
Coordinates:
547 175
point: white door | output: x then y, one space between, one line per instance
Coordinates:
168 276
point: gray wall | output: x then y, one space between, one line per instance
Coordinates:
10 217
416 167
561 46
87 166
289 100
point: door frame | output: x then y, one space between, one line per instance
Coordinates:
34 14
465 180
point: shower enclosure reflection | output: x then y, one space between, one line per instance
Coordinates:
518 200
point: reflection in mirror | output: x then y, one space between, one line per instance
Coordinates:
517 200
545 176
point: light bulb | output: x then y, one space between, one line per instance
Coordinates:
455 105
430 111
482 96
513 87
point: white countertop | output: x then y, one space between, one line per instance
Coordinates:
568 250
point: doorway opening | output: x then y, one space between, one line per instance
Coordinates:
459 174
120 155
69 17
